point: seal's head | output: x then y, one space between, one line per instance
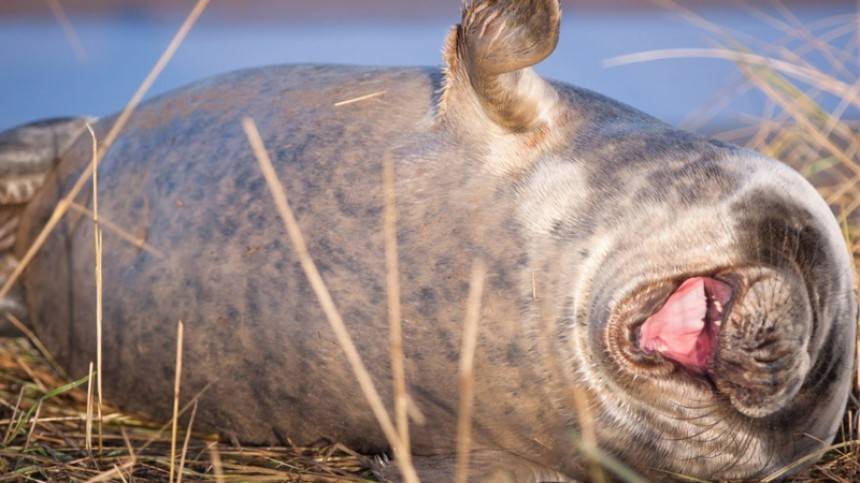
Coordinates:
723 317
705 294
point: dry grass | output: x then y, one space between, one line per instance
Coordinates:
71 34
47 423
395 322
466 379
53 447
174 426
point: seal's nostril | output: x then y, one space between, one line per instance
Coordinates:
766 359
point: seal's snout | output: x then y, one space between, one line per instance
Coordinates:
764 356
686 328
746 334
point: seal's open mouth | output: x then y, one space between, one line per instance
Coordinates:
686 328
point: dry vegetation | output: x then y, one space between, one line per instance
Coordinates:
49 426
44 428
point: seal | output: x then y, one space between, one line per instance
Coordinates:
697 295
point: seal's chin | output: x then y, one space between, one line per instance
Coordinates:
686 328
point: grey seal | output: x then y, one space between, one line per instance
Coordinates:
699 294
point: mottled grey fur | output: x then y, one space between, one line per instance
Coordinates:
576 206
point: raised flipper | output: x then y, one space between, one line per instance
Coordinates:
485 466
491 92
27 154
489 58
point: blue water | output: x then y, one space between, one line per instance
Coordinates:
41 77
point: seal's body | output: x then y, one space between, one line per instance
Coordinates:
698 294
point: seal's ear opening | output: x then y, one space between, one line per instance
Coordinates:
491 53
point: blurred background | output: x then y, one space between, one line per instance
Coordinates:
74 57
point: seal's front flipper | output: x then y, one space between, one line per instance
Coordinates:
27 154
485 466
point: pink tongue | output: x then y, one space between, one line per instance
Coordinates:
678 330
